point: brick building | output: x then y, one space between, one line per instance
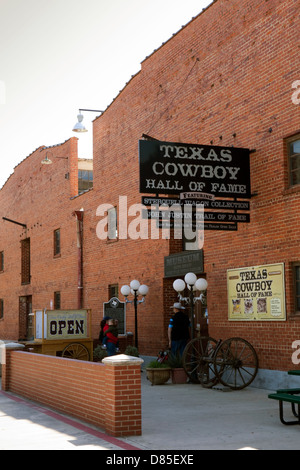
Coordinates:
229 79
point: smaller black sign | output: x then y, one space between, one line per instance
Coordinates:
181 263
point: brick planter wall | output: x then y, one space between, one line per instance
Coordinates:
106 395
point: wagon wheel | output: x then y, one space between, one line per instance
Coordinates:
239 363
198 361
76 351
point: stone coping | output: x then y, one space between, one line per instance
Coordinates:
122 359
12 345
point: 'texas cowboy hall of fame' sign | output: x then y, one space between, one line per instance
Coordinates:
198 174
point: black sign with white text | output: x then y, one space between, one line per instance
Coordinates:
175 168
200 216
207 204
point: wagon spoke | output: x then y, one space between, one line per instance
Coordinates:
76 351
198 361
240 363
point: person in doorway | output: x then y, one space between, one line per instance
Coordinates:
179 330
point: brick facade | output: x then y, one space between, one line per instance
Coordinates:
225 78
69 386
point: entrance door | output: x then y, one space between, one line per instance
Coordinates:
201 317
25 320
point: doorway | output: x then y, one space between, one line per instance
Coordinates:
25 319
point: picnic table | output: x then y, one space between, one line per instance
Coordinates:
294 372
288 395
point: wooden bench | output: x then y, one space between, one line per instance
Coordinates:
289 396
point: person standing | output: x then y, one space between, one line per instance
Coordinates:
179 330
102 326
111 332
111 335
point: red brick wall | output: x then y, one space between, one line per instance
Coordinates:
40 197
225 78
108 396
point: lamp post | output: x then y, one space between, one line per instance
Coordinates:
136 289
193 284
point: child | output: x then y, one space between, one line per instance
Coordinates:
102 325
110 332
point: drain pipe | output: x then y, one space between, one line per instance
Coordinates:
79 217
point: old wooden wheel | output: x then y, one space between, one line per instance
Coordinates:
236 363
198 361
76 351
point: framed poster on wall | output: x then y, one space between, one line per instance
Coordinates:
256 293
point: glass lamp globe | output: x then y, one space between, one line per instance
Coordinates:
190 279
135 285
201 284
179 285
143 289
125 290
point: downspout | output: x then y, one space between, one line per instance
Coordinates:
79 217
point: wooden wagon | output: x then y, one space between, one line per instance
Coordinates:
233 362
64 333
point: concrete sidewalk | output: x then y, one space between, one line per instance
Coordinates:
175 417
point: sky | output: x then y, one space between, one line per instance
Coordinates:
59 56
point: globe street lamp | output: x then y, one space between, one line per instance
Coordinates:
193 284
136 289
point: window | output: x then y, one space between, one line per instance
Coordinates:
113 291
56 300
1 261
112 224
188 245
56 242
1 309
26 329
296 273
85 180
25 261
294 159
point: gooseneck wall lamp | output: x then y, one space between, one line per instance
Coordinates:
136 289
193 285
47 160
79 127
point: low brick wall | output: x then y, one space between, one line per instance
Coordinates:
106 395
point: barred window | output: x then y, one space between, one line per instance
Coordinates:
296 272
56 242
113 291
294 160
112 224
57 300
25 261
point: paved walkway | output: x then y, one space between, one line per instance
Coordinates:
185 417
